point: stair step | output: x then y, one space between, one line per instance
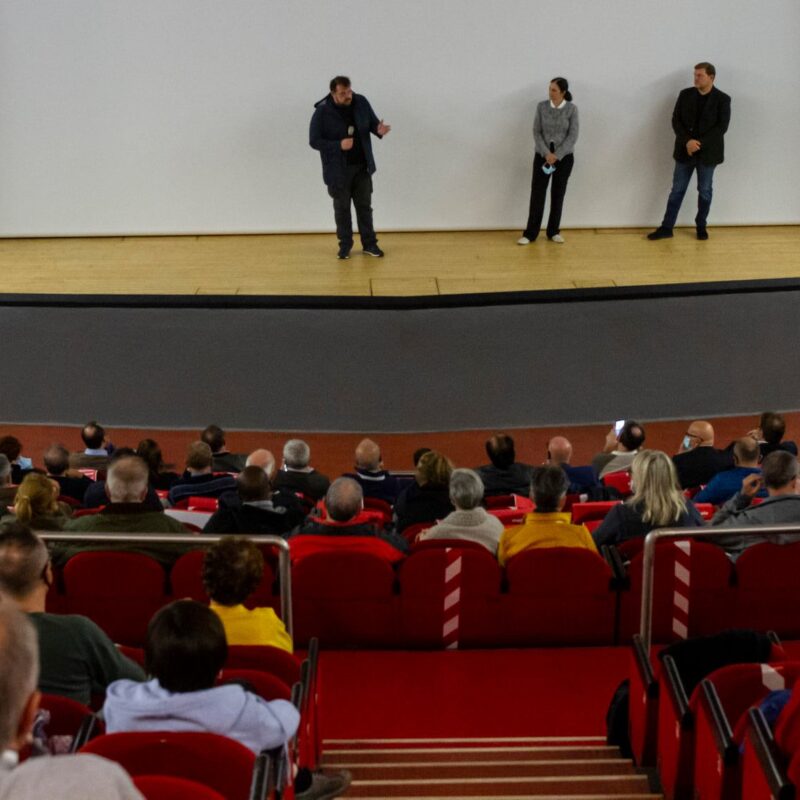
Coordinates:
637 796
404 755
603 785
480 768
526 797
472 741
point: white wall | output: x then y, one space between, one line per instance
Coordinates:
192 115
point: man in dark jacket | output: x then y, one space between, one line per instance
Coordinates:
340 130
504 475
700 119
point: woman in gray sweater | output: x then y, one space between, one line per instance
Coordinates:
555 131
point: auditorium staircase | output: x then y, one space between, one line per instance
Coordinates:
581 768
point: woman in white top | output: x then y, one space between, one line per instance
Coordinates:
555 131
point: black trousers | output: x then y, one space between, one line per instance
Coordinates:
357 189
539 184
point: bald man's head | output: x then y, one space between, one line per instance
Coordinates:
559 450
263 459
368 456
701 433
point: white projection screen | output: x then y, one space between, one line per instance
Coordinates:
191 116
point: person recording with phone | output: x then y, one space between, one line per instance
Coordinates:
622 444
555 131
340 129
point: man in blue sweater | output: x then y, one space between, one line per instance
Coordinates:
340 130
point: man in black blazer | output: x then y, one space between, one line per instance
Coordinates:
700 119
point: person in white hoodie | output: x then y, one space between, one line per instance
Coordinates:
185 650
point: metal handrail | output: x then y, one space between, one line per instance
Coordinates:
284 563
648 563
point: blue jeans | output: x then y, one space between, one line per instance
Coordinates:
680 183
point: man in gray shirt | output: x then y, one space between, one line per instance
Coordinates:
780 474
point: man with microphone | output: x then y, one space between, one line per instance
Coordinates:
340 130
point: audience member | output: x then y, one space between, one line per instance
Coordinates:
126 512
97 450
232 571
11 447
582 480
504 475
223 459
470 521
657 502
255 511
374 480
698 460
264 459
76 658
344 502
184 651
65 776
97 496
724 485
770 432
427 499
779 473
7 489
36 504
160 477
417 455
199 480
620 449
72 483
547 526
297 475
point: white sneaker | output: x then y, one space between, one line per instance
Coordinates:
523 240
558 239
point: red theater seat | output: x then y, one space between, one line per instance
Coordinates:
119 591
621 481
264 684
510 509
345 598
768 589
164 787
556 596
217 762
274 660
465 607
711 596
720 721
594 510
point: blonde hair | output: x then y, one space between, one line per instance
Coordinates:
656 489
35 497
434 469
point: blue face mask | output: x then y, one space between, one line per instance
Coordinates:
25 463
687 442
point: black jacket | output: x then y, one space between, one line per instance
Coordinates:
711 129
327 130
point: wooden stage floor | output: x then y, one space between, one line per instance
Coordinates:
416 264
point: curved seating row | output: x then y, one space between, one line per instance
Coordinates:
459 596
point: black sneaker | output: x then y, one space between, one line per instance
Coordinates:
344 252
373 250
660 233
702 234
326 784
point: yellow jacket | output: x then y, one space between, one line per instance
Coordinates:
257 626
548 529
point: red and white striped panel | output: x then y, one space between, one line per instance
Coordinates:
680 596
452 598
